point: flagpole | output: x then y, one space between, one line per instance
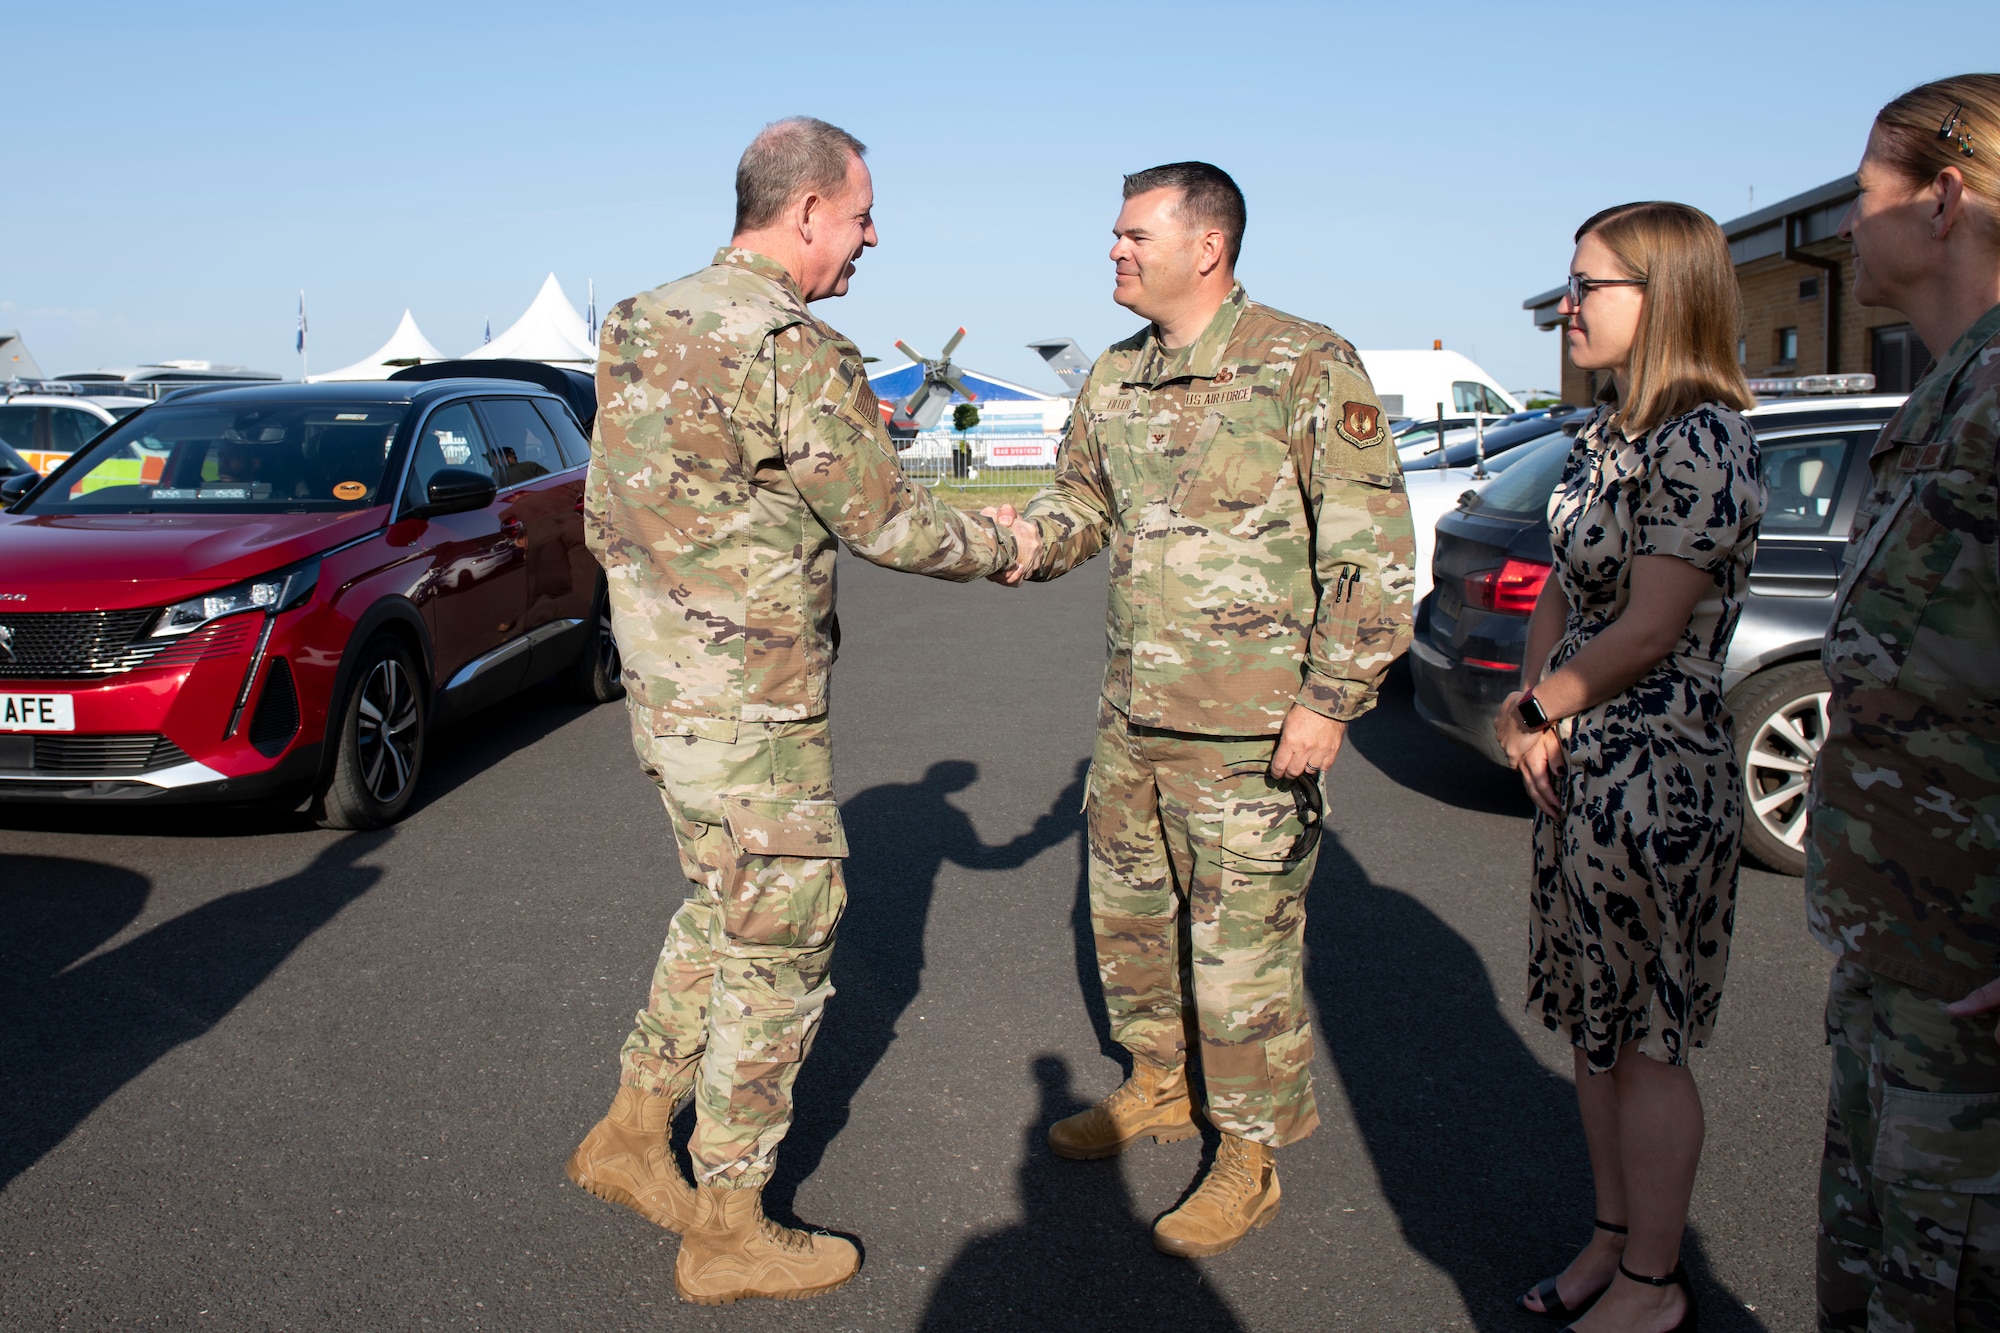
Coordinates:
303 367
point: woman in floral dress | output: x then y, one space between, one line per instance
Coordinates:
1624 742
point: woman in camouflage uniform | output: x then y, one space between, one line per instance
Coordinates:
1903 843
1624 742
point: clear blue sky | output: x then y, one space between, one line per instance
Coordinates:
1413 171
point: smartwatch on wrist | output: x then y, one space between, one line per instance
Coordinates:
1533 716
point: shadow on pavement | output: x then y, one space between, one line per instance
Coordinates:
1081 1259
72 1034
1477 1146
902 834
457 754
1410 754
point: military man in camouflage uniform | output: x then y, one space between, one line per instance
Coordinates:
1236 462
1903 856
737 443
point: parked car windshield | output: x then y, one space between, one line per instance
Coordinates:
252 458
1524 488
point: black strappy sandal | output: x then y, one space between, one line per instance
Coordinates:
1691 1320
1545 1290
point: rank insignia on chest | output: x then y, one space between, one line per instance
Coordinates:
1156 438
1361 423
1926 459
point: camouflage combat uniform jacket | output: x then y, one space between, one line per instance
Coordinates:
1261 545
1903 859
737 440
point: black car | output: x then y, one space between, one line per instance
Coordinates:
1493 557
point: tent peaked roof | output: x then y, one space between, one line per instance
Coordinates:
550 330
407 346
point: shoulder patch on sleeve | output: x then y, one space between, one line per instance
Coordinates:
1360 424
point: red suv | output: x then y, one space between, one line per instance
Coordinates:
276 592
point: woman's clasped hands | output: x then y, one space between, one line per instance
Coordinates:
1535 753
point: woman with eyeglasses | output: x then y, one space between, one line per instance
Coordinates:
1623 741
1903 838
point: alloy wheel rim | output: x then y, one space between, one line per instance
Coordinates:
1778 766
607 649
386 731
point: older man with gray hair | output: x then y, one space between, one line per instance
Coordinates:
737 444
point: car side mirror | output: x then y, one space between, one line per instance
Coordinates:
457 490
17 484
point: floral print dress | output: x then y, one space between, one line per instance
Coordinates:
1635 886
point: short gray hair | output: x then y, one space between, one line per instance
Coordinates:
790 158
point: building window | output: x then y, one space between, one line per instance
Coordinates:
1809 289
1742 351
1788 345
1898 357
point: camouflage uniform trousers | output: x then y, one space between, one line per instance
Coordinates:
1909 1188
741 983
1199 864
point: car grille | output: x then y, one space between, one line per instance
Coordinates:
88 645
102 755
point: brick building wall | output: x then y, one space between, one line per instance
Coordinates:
1784 301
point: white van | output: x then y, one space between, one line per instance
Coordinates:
1414 384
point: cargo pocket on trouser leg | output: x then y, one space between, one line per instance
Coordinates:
773 943
1937 1177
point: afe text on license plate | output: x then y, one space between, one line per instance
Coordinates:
37 712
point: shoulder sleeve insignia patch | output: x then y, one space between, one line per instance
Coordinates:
1360 424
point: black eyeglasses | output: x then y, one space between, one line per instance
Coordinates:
1953 130
1580 286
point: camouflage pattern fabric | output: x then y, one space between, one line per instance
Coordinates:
1903 851
736 441
1261 546
1195 825
740 986
1909 1188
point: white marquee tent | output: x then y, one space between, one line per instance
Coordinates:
550 331
407 346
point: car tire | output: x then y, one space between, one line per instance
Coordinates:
595 677
383 727
1781 722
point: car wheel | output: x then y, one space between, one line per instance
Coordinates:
595 677
379 750
1781 723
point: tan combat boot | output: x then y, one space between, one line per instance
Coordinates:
1153 1101
733 1251
1239 1194
625 1159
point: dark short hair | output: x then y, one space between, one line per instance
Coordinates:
1209 198
788 159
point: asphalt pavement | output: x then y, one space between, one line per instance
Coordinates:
254 1075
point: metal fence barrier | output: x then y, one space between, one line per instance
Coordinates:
975 462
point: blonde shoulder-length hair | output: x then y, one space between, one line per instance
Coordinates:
1684 353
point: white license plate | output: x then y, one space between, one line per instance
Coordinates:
37 712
